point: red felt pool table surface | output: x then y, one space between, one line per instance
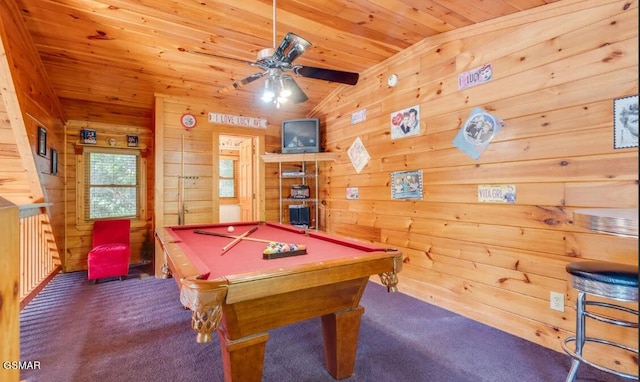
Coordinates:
241 295
206 254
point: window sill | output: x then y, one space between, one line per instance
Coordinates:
135 223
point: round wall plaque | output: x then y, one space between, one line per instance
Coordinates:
188 120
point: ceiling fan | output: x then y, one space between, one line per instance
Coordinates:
274 63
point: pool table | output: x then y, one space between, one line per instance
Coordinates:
241 295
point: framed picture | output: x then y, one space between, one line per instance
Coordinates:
625 122
405 123
42 141
406 184
477 132
132 140
88 136
54 162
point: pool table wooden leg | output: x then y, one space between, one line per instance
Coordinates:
243 359
340 331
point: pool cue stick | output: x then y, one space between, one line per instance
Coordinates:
181 186
201 232
237 240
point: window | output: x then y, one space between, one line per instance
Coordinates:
227 178
112 184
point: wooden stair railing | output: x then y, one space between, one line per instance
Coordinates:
39 255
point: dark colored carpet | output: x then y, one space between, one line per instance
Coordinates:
136 330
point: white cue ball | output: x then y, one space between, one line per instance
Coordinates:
230 229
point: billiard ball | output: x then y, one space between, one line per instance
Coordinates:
230 229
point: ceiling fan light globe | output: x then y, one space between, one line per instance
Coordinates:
286 93
268 96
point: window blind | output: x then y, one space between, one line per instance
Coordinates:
111 185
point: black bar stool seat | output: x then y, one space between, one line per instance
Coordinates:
606 280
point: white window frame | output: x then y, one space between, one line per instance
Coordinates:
82 187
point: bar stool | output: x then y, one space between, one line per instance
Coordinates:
607 280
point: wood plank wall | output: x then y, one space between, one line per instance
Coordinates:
30 103
79 232
556 71
191 154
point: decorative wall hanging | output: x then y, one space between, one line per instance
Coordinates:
625 122
42 141
132 140
54 162
406 184
358 155
188 121
497 193
405 123
475 77
359 116
393 80
237 120
353 192
88 136
477 132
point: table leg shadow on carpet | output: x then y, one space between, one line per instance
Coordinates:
136 330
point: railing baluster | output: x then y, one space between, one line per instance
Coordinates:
38 253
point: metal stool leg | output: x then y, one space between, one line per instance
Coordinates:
580 336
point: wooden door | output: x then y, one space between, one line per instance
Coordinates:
246 192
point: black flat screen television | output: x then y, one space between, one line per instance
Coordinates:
301 136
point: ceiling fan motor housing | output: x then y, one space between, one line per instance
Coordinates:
265 53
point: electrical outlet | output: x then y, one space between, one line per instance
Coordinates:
556 301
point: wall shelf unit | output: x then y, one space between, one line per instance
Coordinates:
79 147
307 175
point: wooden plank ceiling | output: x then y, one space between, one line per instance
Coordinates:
107 58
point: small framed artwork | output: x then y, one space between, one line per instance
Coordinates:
353 193
406 184
42 141
132 140
625 122
406 122
54 162
88 136
477 132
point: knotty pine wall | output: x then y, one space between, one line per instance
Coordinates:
28 102
556 71
78 232
192 154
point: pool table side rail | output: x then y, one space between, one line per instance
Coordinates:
254 285
179 263
250 285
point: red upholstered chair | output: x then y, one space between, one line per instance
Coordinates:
111 249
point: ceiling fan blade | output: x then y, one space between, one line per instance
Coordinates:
291 47
217 56
348 78
297 94
242 82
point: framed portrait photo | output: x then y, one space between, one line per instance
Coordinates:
88 136
405 122
42 141
625 122
54 162
132 140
